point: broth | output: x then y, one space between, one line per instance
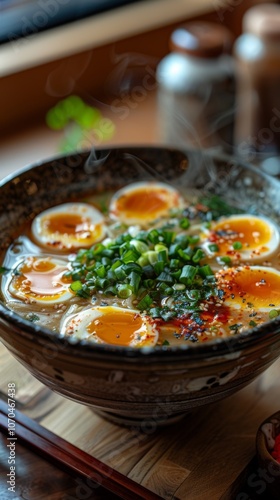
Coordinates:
161 271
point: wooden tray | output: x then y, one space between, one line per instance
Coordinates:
206 455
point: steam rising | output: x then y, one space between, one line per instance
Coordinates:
95 159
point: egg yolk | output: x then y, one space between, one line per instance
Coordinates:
249 286
253 234
41 280
119 328
71 224
144 203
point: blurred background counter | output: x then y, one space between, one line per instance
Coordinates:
108 59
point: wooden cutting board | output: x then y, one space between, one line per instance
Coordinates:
202 457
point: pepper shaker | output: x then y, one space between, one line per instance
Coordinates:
257 53
196 87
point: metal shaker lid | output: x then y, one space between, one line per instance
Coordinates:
202 39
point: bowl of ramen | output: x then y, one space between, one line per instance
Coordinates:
141 281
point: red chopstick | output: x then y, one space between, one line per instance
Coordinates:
71 458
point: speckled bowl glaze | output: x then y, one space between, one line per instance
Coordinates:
265 443
147 387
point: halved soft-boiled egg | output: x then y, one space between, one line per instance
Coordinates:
41 280
68 226
242 237
144 202
112 325
250 286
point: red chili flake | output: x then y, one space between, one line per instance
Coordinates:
221 314
201 207
276 450
213 237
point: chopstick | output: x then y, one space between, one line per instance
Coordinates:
71 458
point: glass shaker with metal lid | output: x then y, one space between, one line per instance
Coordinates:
196 87
257 53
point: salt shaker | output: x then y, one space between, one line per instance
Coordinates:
257 53
196 87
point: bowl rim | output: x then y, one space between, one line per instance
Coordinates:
214 348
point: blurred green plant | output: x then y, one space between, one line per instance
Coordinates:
83 125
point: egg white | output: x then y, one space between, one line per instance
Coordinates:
79 326
144 214
90 230
255 254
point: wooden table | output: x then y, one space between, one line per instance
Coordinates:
208 455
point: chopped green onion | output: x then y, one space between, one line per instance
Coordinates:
252 323
193 240
179 286
140 246
111 290
153 265
213 248
135 280
185 255
183 240
143 261
76 286
174 263
188 274
237 245
124 291
145 303
130 255
166 277
153 236
168 237
224 260
148 271
152 257
159 267
116 264
132 266
162 256
199 254
120 273
206 271
184 223
100 271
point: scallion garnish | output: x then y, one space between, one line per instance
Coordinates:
145 303
237 245
225 260
213 248
149 267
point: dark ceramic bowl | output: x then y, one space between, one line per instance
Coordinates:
125 384
265 440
